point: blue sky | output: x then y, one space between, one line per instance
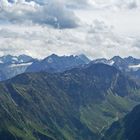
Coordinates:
97 28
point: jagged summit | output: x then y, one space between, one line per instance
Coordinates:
55 63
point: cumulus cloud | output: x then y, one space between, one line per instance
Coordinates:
69 3
105 42
54 13
130 4
99 4
78 4
96 40
25 28
115 4
39 41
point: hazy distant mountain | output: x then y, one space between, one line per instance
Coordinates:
9 59
11 66
75 105
54 63
129 65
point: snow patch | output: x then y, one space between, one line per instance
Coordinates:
19 65
135 67
1 62
111 62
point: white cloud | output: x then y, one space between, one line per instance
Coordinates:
115 4
106 43
54 13
95 41
25 27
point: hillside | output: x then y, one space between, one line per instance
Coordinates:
127 128
75 105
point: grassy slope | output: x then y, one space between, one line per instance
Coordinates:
126 128
71 106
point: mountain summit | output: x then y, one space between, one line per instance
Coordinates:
129 65
11 66
55 63
9 59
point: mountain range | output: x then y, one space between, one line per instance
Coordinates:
69 98
129 66
54 63
77 104
11 66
